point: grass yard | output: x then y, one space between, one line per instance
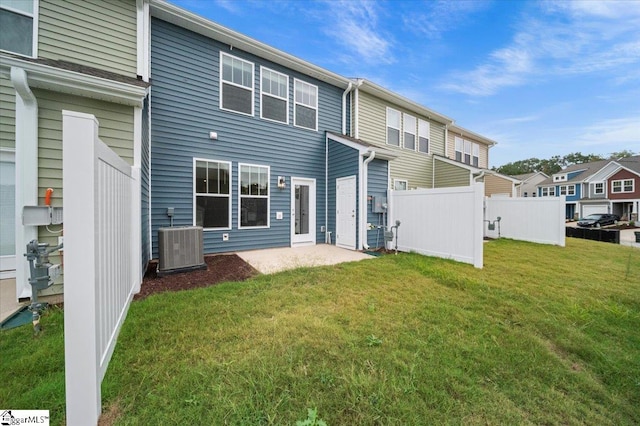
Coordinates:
541 335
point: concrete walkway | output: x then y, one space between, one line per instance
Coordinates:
269 261
8 301
628 238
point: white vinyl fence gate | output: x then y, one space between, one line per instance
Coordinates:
539 220
102 250
444 222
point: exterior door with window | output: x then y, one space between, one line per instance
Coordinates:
346 212
7 214
303 211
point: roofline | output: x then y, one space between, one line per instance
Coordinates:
75 83
191 21
463 131
381 153
386 94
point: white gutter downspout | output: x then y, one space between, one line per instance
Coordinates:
356 113
344 108
363 200
26 172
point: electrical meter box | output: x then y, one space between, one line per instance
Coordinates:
378 204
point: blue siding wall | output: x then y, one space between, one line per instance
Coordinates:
144 190
342 162
377 186
185 108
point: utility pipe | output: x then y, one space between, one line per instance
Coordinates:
363 199
26 172
344 108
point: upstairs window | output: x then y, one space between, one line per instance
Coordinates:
548 191
305 113
568 190
274 98
237 84
423 136
598 188
467 152
618 186
254 196
459 148
393 127
211 187
18 20
409 132
475 160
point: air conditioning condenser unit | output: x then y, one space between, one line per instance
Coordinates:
180 249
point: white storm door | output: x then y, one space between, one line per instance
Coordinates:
7 214
303 211
346 212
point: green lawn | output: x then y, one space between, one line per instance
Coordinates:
541 335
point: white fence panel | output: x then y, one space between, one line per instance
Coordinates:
539 220
444 222
102 273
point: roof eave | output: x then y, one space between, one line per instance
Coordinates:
173 14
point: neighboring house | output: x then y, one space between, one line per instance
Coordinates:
247 142
623 186
528 188
88 56
392 122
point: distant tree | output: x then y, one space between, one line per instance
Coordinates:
621 154
549 166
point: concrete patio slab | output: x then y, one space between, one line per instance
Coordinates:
628 237
8 302
269 261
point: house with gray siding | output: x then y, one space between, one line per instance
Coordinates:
239 137
88 56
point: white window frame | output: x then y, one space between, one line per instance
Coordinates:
571 190
35 23
548 191
459 148
623 186
467 151
241 196
403 181
411 130
285 98
595 188
388 125
223 81
197 194
424 131
475 155
296 102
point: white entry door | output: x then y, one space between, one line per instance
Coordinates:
346 212
303 211
7 214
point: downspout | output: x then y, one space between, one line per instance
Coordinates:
326 184
363 200
344 108
26 135
356 113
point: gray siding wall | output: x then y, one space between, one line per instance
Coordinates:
185 108
7 114
342 162
144 186
377 186
96 33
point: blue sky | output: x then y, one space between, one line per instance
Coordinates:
541 78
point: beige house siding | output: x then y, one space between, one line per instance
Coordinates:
483 160
494 185
414 167
96 33
116 130
447 175
7 114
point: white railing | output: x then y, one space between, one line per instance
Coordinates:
443 222
101 271
539 220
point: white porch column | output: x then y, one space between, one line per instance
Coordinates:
26 172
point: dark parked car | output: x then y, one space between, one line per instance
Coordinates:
599 219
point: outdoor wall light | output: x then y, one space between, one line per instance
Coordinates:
213 136
282 183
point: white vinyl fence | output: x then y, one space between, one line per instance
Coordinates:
102 267
539 220
445 222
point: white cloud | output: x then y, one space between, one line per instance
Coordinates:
441 16
354 24
618 133
570 38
